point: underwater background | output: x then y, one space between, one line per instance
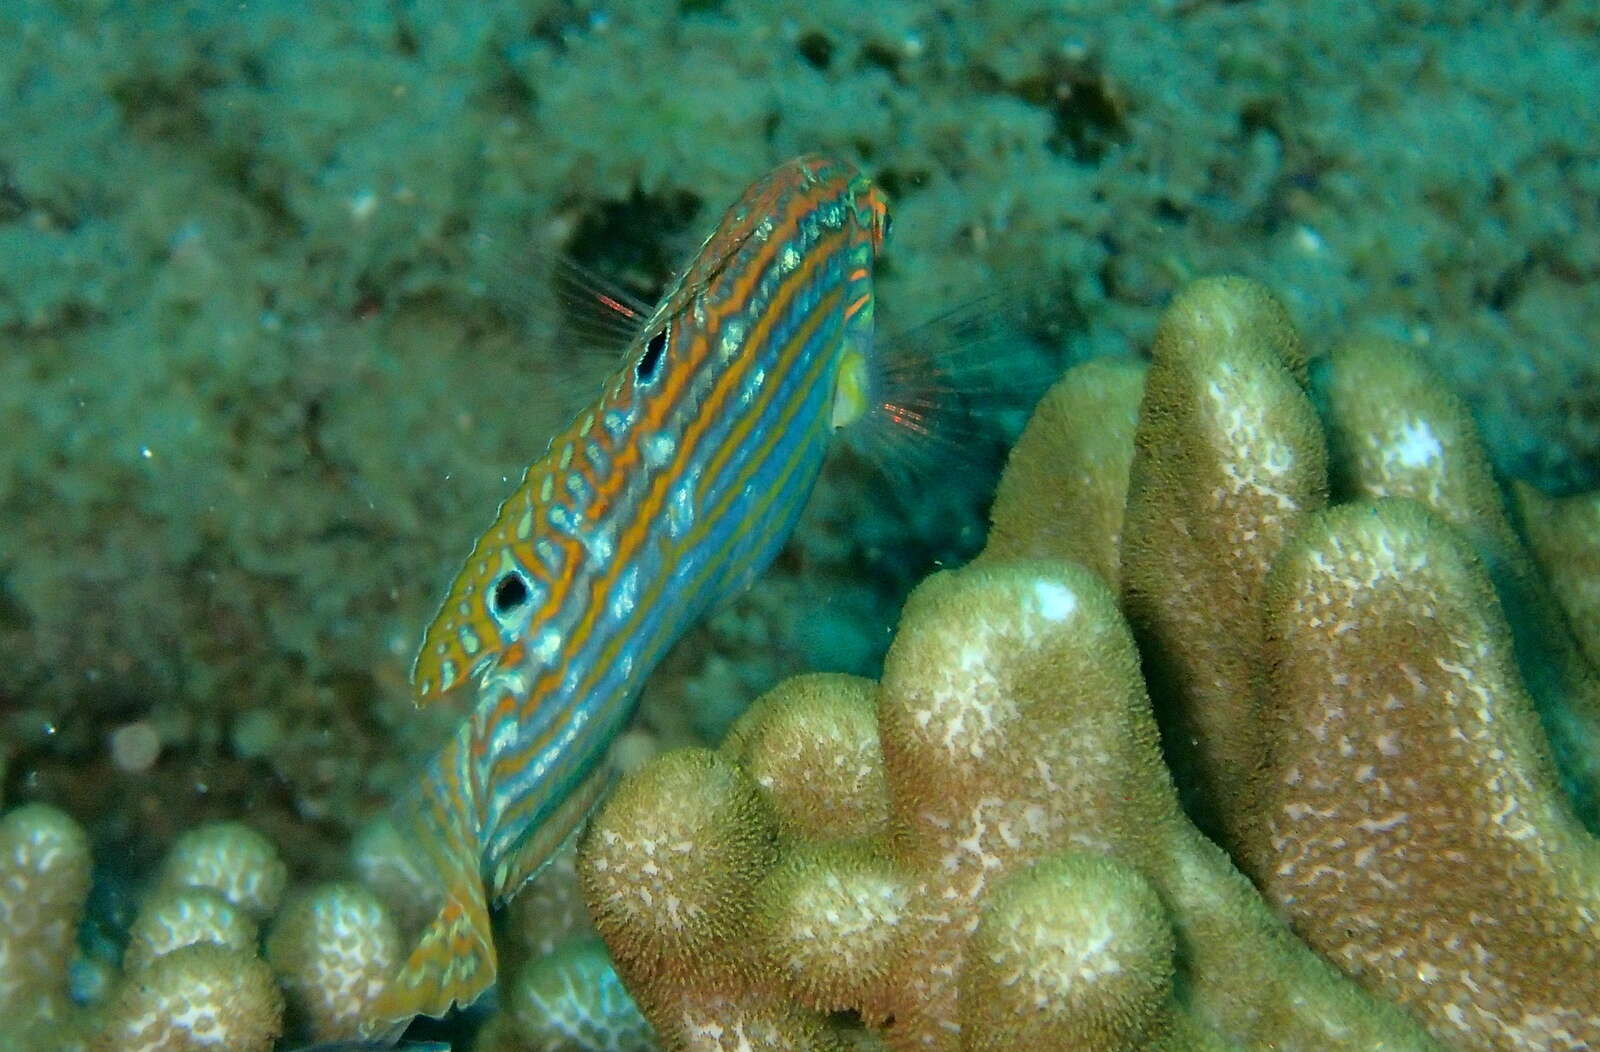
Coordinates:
278 327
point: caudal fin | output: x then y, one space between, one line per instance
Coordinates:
453 962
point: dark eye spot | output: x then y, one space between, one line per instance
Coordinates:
510 592
888 225
650 361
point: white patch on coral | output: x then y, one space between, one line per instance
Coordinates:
1056 601
1259 461
1416 445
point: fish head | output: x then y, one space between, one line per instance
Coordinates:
488 608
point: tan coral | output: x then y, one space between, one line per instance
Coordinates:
231 859
1064 492
192 979
827 918
667 868
172 918
1417 832
1397 431
1229 458
1014 727
817 736
989 768
335 949
1075 952
201 998
44 879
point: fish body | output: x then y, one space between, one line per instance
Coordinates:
668 494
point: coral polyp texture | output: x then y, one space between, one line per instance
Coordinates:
194 974
172 919
196 999
1074 952
190 978
44 877
986 849
1412 820
335 949
231 859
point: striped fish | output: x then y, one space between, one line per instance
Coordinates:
668 494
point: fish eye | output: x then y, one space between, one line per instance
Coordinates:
651 360
510 592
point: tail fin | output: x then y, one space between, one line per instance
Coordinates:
453 962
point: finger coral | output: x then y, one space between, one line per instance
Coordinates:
200 998
1066 492
335 949
231 859
987 771
190 979
668 876
1344 704
1416 832
171 919
1074 952
44 877
1400 433
1228 460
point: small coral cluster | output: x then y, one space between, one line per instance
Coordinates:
986 849
193 977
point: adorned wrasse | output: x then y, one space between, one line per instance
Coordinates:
669 493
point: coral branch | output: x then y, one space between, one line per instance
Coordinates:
1417 835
